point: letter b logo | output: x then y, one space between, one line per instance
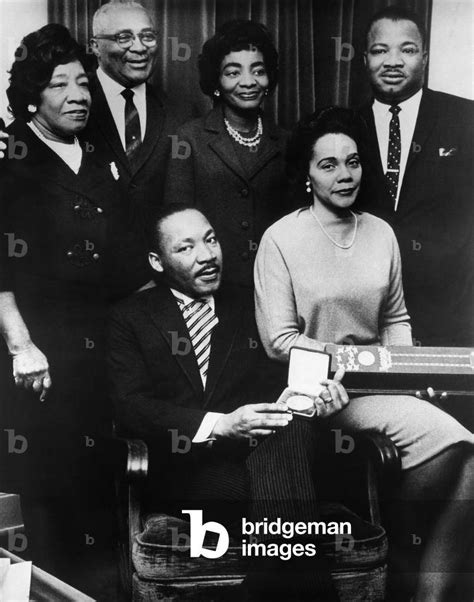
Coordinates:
198 533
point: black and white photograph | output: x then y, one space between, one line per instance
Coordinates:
237 300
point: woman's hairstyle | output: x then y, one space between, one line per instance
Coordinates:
234 36
39 53
331 120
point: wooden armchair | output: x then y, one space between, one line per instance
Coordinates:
152 571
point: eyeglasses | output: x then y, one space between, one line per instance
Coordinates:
126 39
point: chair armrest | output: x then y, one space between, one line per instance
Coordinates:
369 466
129 457
382 452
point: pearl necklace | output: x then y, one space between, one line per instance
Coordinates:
249 142
348 246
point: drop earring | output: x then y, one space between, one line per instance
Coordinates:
308 185
32 108
217 93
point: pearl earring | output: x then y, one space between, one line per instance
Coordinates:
32 108
308 186
217 93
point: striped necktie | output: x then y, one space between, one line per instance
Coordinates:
394 153
200 320
133 135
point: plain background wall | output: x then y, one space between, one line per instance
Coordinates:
451 55
452 47
17 18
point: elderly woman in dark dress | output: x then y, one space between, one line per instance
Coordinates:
233 164
66 253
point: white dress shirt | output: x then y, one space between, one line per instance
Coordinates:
204 431
408 115
71 154
115 100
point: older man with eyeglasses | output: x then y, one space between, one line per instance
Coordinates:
130 123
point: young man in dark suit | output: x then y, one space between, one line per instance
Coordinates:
417 161
186 368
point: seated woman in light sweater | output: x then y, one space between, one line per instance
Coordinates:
329 274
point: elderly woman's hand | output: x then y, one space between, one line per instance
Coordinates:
333 398
31 370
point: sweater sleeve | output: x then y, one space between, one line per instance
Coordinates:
275 305
395 326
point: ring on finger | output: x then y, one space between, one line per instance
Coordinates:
326 397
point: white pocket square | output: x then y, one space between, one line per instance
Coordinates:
447 152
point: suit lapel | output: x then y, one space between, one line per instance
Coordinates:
101 118
223 146
222 341
425 123
221 143
168 319
268 150
155 117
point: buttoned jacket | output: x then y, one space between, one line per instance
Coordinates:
240 204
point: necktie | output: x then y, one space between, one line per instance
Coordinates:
394 153
200 321
133 135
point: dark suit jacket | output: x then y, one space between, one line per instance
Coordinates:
241 204
156 386
434 219
143 180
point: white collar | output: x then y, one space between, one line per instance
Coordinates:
410 105
187 299
112 88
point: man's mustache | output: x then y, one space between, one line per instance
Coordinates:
211 264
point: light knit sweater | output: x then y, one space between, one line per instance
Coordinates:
310 292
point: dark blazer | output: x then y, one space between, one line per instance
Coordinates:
434 219
155 386
142 180
239 203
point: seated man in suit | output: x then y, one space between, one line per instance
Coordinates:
187 374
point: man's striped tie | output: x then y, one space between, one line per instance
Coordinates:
133 135
200 320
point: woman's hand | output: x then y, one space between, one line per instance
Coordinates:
333 398
31 370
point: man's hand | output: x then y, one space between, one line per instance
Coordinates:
333 398
31 370
253 420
